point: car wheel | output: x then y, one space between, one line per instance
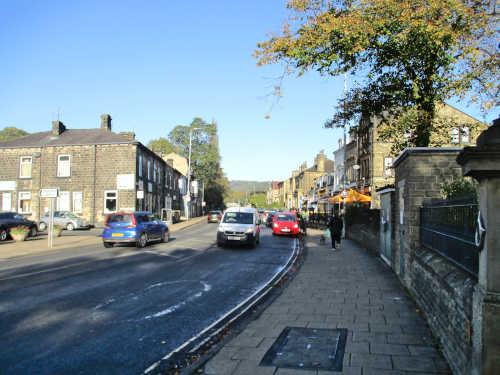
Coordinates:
70 226
33 232
42 226
220 244
3 234
142 241
108 245
165 237
253 244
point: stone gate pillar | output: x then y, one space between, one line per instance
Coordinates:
483 163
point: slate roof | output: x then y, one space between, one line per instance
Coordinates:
67 138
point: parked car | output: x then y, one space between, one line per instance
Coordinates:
214 216
134 227
65 219
10 220
286 223
239 225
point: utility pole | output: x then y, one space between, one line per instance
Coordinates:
189 173
344 191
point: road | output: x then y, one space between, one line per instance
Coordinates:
117 311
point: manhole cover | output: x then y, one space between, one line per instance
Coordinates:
308 349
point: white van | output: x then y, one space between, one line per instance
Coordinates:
239 225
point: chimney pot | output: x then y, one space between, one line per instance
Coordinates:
106 122
57 128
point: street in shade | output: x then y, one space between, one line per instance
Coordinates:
120 310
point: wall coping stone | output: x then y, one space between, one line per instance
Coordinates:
424 150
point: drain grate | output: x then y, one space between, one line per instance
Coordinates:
308 349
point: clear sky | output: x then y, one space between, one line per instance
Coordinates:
153 65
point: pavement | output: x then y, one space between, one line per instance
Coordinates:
351 289
68 240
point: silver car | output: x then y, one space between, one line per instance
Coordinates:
66 219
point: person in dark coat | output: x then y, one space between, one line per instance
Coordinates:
335 226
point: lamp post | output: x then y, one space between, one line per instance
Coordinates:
188 193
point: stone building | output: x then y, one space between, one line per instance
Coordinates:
305 179
96 171
374 156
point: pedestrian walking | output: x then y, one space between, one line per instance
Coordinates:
302 223
335 226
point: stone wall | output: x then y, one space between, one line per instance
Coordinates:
442 290
363 227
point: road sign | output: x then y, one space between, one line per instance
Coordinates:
49 193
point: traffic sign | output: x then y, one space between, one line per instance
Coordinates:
49 193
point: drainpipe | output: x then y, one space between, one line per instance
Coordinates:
94 186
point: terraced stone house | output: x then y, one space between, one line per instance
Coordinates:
97 171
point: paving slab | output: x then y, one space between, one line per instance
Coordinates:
350 289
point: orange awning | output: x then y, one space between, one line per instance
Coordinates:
352 196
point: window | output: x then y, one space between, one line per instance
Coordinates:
149 169
6 201
110 201
63 201
77 202
25 167
465 135
24 202
140 166
63 166
154 170
388 167
455 135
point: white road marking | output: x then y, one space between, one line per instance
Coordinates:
171 309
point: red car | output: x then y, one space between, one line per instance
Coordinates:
214 216
285 223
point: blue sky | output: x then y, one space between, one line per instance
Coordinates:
156 64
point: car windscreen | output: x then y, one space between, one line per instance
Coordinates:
238 218
121 219
282 217
214 212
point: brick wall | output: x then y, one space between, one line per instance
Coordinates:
442 290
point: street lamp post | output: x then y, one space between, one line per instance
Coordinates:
188 193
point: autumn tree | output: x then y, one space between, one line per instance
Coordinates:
161 146
205 156
9 133
412 54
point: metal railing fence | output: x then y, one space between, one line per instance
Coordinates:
448 227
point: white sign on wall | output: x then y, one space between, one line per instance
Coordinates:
140 194
125 182
8 185
49 193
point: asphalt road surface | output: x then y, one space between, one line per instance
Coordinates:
117 311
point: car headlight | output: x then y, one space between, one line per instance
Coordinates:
275 225
249 230
220 229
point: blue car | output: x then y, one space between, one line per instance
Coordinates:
135 227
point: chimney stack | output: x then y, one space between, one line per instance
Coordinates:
106 122
129 136
57 128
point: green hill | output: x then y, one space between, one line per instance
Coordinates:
249 186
